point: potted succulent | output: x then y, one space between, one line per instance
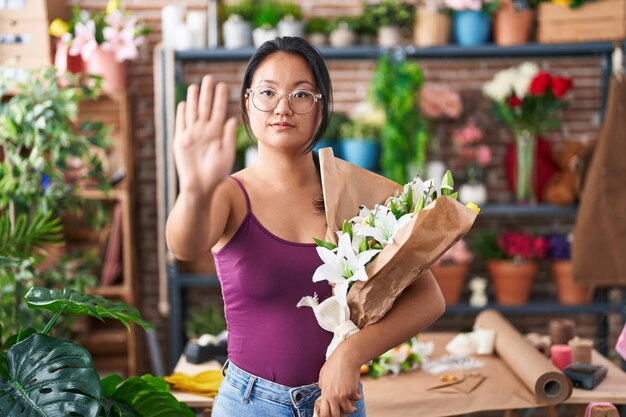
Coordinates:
432 24
471 20
560 252
317 30
342 32
512 262
451 269
332 135
237 27
360 136
512 23
266 22
393 19
291 24
475 156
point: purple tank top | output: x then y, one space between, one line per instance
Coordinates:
263 277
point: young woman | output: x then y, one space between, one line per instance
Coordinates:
259 225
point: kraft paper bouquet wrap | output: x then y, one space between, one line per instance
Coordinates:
411 244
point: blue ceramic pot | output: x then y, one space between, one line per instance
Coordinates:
361 152
325 143
471 27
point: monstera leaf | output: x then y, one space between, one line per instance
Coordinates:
49 377
144 396
10 341
67 301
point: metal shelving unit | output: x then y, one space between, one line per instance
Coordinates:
169 69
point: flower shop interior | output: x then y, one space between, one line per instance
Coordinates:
517 105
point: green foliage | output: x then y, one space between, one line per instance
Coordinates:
268 15
390 13
335 124
291 9
349 21
244 8
485 244
209 319
404 135
317 25
360 129
17 243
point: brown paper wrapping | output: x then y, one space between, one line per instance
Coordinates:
549 385
416 246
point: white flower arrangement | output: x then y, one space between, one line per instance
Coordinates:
511 80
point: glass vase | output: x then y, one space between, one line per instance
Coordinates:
525 167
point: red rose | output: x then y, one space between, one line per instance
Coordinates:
540 84
561 85
514 101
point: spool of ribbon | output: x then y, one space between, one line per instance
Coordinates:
581 350
561 355
561 331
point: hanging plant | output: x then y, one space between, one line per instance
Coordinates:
404 136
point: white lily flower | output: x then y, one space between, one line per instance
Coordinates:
385 225
423 350
394 358
362 217
342 267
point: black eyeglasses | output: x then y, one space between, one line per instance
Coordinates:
266 99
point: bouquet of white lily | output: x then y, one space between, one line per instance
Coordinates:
406 357
382 250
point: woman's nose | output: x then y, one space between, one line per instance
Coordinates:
282 107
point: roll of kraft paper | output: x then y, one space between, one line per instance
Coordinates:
539 375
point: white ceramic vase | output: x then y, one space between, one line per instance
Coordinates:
237 33
475 192
289 26
261 35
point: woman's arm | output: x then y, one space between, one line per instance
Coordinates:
416 309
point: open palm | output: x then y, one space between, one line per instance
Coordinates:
204 142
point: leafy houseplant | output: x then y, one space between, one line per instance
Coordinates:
511 260
206 320
237 26
42 145
472 20
404 136
560 252
360 136
332 135
266 21
317 29
393 18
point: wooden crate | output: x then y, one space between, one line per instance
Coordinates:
31 25
599 21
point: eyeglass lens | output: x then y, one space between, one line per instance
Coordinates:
266 99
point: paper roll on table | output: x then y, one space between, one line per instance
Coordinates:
541 377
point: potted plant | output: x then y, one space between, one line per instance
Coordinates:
342 32
471 20
475 156
266 22
360 136
512 263
104 40
432 24
317 30
512 23
332 135
365 28
291 24
560 252
237 27
451 269
393 19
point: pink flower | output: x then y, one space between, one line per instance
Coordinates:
120 37
84 42
483 155
467 135
438 101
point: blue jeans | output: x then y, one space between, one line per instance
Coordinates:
245 395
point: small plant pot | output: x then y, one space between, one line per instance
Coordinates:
512 27
289 26
475 192
318 39
567 290
451 280
471 28
361 152
237 33
262 35
389 36
113 73
341 37
432 28
512 282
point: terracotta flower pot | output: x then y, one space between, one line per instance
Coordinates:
512 27
451 279
512 282
432 28
567 290
103 63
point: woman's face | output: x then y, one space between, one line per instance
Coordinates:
282 128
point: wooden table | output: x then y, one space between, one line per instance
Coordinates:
390 396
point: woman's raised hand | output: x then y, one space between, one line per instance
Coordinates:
204 142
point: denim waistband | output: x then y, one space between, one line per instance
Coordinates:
254 386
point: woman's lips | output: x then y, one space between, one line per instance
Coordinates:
282 126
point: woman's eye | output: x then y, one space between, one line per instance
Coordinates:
268 93
300 94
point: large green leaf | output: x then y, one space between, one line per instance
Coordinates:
49 377
148 396
18 240
78 303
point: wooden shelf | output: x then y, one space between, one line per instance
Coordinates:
117 291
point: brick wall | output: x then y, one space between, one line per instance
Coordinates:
350 82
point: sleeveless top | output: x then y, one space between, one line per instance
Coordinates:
263 277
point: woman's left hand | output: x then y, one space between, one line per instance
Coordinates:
339 382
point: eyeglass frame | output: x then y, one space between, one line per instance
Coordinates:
316 97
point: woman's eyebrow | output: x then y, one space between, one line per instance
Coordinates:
296 83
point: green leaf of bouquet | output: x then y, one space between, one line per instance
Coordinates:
393 208
85 304
419 205
454 195
49 377
324 244
363 246
449 181
408 200
345 228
